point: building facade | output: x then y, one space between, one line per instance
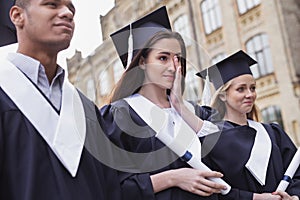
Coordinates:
268 30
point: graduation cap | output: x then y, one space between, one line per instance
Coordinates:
233 66
7 28
133 37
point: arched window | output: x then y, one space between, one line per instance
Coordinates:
90 90
259 49
118 70
181 25
272 114
245 5
104 83
211 15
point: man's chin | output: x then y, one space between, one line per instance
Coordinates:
63 45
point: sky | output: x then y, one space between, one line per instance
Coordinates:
87 35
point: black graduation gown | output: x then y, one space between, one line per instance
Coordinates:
231 153
29 170
7 28
137 185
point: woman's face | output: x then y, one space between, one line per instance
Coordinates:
240 96
159 66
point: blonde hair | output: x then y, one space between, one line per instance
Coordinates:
220 106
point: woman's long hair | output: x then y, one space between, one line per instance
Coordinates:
220 106
133 78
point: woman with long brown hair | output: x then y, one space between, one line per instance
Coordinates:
155 78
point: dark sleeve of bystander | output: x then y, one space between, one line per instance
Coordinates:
7 28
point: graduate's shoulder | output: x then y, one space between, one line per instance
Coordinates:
205 112
5 102
113 107
279 135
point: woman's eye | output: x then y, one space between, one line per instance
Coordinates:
52 4
241 89
163 58
253 88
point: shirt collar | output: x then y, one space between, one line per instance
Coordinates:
32 67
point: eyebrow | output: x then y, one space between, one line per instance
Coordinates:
169 53
244 84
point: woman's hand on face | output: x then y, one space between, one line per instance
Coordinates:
285 196
196 181
176 90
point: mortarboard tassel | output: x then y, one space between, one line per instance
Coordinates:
130 47
206 94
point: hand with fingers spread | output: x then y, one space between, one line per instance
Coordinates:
177 101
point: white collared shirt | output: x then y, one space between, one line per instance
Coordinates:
35 71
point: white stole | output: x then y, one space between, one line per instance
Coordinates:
181 139
260 154
161 122
64 133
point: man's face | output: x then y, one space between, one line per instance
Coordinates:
49 23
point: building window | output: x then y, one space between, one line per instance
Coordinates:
118 70
218 58
272 114
104 83
259 49
90 91
191 91
182 26
211 14
245 5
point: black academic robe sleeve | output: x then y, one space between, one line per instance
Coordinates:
133 185
232 151
206 112
7 28
141 139
288 150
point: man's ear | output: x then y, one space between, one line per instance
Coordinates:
142 64
17 16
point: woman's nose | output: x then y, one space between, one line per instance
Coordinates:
250 93
171 66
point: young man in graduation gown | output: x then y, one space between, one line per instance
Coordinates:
44 121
